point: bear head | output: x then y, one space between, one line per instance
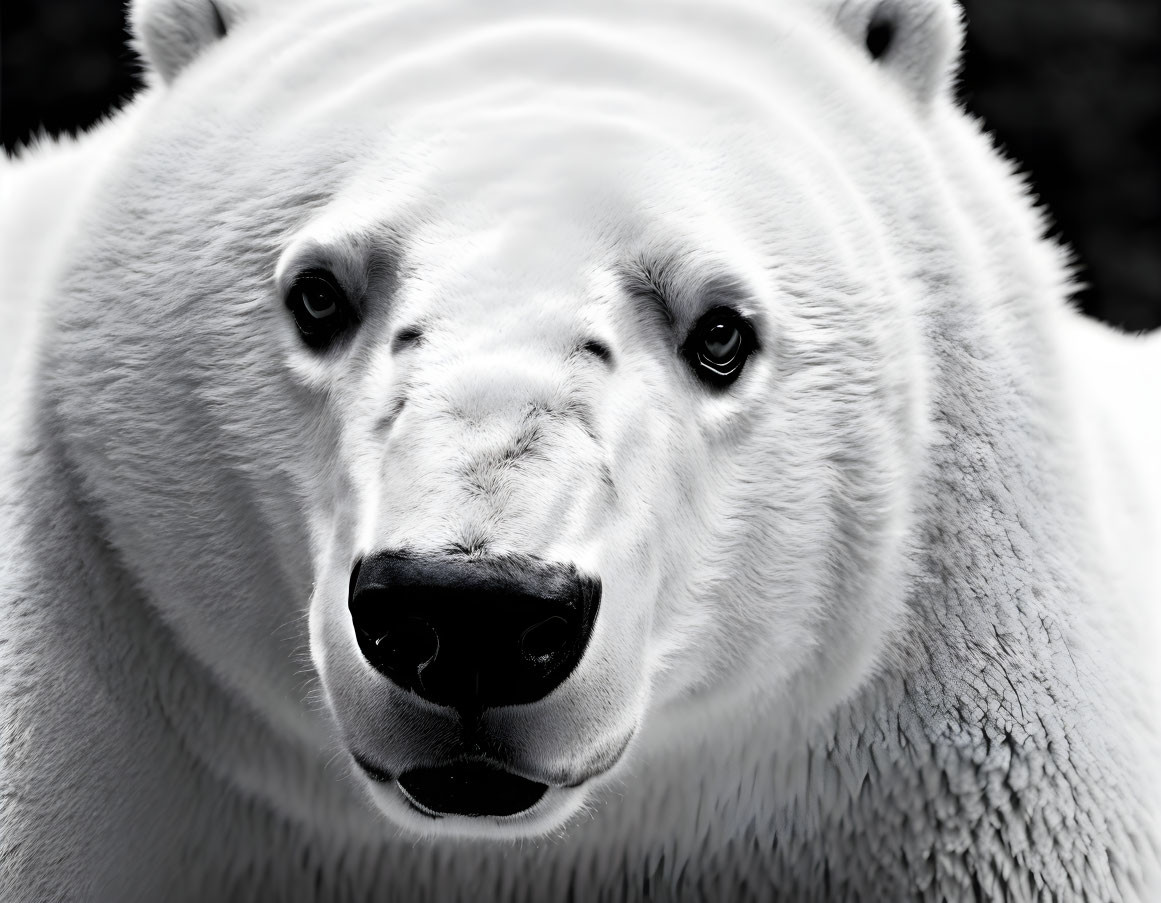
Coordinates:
540 381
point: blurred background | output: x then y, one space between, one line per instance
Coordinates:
1071 88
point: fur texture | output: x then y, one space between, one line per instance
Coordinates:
878 619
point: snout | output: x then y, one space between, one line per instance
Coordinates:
473 637
472 634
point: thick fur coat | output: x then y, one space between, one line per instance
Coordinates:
879 615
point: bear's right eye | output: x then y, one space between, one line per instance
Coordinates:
320 308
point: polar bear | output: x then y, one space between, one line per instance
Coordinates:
597 451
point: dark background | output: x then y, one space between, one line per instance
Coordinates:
1072 89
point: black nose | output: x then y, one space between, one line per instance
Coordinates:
472 633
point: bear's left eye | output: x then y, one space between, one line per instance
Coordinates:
718 346
319 306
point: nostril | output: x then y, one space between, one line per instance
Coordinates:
409 642
543 640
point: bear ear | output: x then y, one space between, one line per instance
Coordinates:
170 33
915 41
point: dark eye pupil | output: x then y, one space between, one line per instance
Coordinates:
318 302
722 342
718 346
319 307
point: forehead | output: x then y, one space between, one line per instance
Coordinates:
501 146
437 51
568 180
551 172
538 208
566 100
667 69
511 211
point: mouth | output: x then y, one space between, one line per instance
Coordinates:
470 789
475 789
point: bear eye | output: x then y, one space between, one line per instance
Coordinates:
320 308
718 346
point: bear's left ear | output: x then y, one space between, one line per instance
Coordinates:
170 33
915 41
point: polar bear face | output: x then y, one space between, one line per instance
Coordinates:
559 369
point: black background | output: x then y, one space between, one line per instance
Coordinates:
1072 89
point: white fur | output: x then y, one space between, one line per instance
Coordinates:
879 621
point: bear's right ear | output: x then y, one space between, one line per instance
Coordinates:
915 42
170 33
